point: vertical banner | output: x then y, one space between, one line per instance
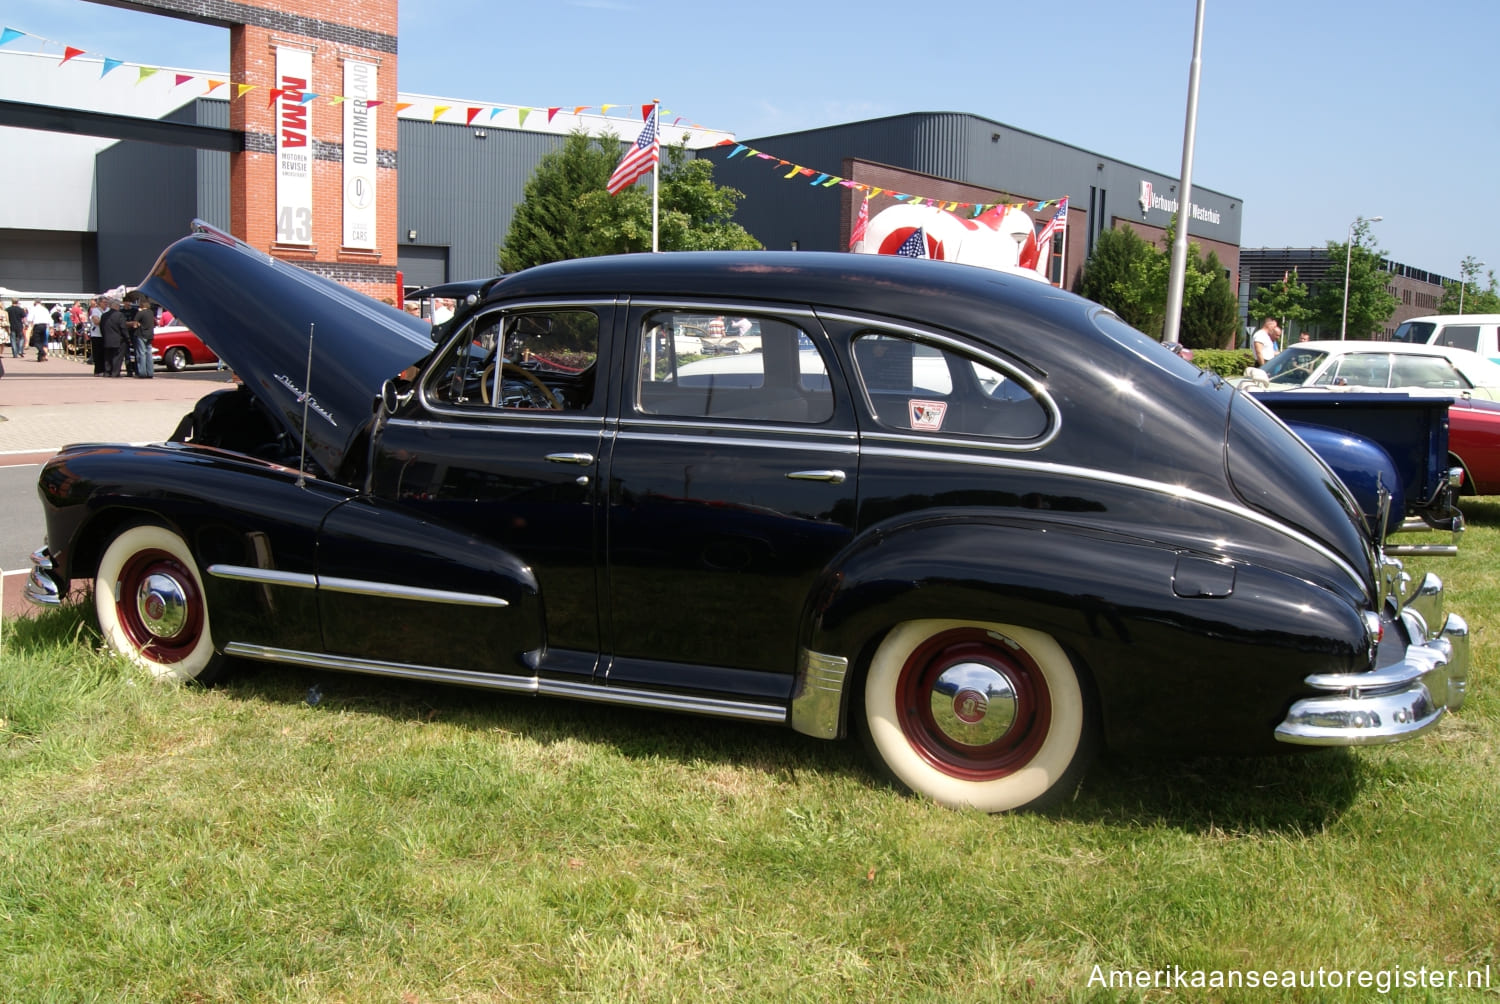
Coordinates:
294 152
360 79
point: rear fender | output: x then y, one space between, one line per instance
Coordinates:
1157 632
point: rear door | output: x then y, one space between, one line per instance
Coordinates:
732 484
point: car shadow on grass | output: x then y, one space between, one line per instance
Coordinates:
1297 793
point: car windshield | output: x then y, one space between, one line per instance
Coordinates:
1294 365
1417 332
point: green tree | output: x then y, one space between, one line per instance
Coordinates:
1129 276
1477 298
1286 300
566 212
1211 314
1370 302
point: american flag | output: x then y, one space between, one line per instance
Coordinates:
860 224
1055 225
914 246
638 159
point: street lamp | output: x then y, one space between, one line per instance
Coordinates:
1463 280
1348 260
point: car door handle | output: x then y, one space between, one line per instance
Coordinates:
832 477
581 459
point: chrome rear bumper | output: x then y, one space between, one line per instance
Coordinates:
1396 701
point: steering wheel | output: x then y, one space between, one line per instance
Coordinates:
539 393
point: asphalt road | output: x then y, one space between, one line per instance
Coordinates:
21 525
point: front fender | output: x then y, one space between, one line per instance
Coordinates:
1218 647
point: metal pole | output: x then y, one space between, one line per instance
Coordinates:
1178 273
1348 261
656 176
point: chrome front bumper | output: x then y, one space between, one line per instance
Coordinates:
1395 701
41 588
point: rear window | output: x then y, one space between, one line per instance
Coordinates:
914 386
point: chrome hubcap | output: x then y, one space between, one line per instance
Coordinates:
973 704
162 605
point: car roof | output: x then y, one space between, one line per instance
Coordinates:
1455 319
937 292
1409 348
1478 369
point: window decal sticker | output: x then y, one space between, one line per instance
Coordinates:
927 415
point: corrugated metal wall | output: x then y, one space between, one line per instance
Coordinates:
213 168
946 145
147 198
460 191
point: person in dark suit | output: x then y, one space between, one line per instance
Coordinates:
114 334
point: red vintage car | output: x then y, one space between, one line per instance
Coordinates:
1474 443
176 347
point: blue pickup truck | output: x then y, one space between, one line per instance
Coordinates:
1382 440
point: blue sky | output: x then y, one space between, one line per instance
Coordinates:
1312 112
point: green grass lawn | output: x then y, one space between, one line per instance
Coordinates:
415 844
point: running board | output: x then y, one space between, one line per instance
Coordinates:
536 686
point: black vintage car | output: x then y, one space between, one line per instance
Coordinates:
977 521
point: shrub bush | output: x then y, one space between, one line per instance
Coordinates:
1225 362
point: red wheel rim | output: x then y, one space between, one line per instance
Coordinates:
159 606
957 738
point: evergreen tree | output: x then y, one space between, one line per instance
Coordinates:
1211 316
566 212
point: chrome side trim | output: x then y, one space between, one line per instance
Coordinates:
845 446
387 590
358 587
1178 492
536 686
818 695
692 430
269 576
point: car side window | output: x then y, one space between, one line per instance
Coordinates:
1460 336
1364 369
524 360
915 386
747 368
1427 372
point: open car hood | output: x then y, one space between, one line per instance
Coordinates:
259 314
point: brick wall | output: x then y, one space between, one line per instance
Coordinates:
333 30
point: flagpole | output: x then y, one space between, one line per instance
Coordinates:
656 175
1062 273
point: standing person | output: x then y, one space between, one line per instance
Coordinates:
40 320
96 335
142 327
114 335
16 315
1264 341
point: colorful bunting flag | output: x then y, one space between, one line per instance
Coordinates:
69 53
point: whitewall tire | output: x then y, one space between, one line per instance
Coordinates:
149 599
990 716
